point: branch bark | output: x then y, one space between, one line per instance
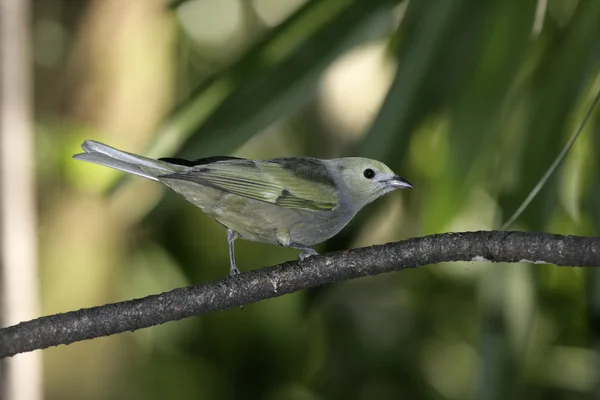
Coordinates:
265 283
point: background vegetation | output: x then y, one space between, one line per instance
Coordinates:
470 100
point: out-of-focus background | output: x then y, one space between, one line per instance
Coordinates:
470 100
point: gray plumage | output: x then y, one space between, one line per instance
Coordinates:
295 202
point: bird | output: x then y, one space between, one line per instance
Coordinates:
294 202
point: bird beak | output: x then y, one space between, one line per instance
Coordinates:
399 183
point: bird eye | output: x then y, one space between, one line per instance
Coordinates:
369 173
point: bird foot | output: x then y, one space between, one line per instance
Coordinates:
233 271
306 253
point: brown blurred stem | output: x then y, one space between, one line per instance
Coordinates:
265 283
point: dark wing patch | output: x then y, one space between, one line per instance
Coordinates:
310 169
200 161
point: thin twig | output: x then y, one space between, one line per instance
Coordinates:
265 283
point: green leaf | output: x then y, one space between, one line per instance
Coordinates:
422 34
272 80
500 42
568 61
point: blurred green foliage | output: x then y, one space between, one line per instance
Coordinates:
470 100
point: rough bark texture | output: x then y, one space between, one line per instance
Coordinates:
265 283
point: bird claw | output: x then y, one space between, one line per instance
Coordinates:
307 253
233 271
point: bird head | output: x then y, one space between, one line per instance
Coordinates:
363 180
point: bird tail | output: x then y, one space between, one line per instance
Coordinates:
99 153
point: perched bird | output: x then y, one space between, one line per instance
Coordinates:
294 202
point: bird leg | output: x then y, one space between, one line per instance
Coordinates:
231 236
307 251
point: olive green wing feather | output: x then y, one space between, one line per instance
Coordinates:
300 183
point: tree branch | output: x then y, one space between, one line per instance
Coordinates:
265 283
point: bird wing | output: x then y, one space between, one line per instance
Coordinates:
300 183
